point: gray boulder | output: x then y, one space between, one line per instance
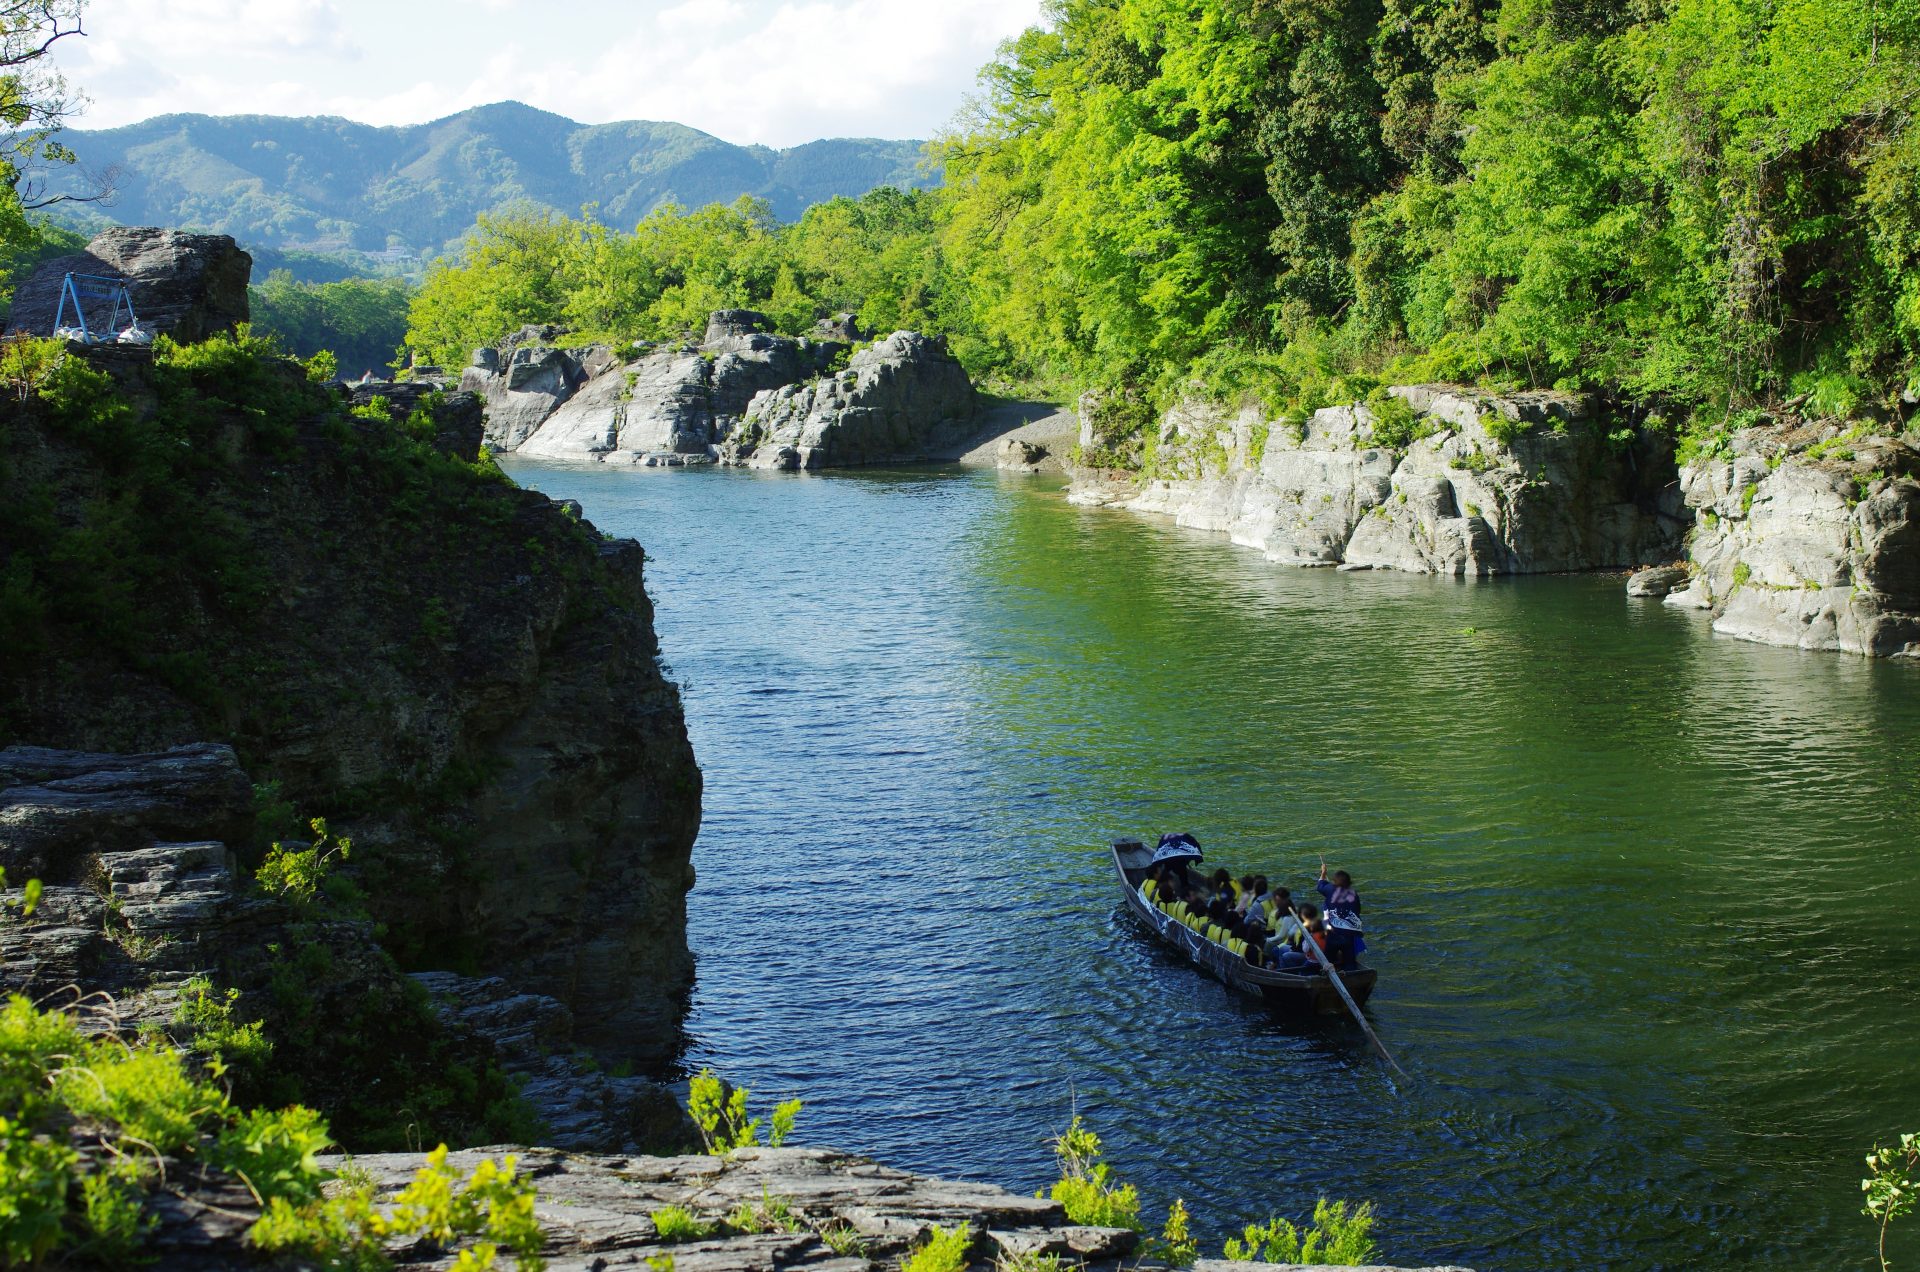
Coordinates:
1808 537
1020 456
1656 581
189 286
901 400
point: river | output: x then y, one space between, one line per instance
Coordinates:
1643 900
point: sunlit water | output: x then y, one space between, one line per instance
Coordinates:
1643 899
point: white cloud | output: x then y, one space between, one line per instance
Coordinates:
776 72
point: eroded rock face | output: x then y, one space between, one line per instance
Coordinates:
1507 484
189 286
1809 538
673 400
900 400
524 381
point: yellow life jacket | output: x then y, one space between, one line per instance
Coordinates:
1148 888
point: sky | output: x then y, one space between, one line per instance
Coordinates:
776 72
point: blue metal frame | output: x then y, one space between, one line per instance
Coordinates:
78 288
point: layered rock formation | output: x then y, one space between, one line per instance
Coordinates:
596 1212
900 400
1808 536
186 285
1478 485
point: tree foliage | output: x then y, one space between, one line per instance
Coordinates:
1702 202
361 321
875 256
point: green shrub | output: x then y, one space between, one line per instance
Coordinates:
1892 1186
143 1101
1502 429
1338 1238
296 872
769 1214
946 1250
26 364
1395 425
143 1089
1176 1246
440 1207
34 1179
677 1223
229 1044
1084 1189
719 1109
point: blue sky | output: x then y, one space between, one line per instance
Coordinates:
770 71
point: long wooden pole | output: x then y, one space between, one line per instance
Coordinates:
1333 974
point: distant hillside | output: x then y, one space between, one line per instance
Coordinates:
329 185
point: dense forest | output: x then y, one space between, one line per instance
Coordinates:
1700 207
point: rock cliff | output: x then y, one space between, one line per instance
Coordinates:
902 399
1808 535
1461 483
186 285
741 394
459 674
670 403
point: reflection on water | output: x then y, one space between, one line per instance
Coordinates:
1643 897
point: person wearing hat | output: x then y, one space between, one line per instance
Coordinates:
1345 944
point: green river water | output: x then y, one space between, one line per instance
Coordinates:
1643 899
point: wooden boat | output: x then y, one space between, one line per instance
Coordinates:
1310 992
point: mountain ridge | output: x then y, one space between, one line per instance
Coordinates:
322 183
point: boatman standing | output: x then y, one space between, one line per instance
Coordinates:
1345 945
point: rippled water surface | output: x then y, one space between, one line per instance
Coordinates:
1644 897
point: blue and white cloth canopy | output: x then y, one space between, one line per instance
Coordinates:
1181 847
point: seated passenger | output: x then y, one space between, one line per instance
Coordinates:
1284 959
1251 895
1243 894
1287 929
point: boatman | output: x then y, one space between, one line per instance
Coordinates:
1345 944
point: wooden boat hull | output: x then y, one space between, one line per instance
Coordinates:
1312 994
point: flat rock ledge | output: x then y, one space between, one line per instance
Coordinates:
597 1213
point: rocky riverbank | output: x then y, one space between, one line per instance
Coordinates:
1801 533
812 1209
1807 535
740 395
1458 482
